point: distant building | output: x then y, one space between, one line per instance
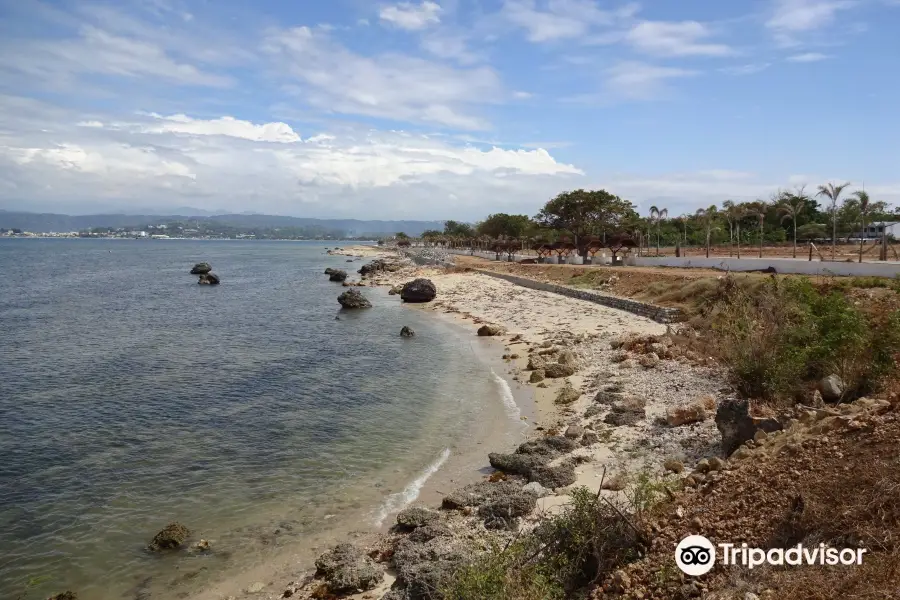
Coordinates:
159 236
875 230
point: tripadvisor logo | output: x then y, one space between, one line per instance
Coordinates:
695 555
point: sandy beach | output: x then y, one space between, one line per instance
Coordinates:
536 324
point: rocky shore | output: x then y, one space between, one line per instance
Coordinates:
616 398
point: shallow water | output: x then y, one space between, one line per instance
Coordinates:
130 396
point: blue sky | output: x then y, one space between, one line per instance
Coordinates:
441 109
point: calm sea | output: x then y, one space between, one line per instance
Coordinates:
130 397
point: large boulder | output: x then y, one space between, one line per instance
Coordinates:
737 425
201 269
337 275
347 569
407 331
554 477
171 537
515 464
832 388
329 271
353 298
556 370
372 267
208 279
418 290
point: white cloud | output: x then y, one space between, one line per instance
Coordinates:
344 171
96 51
449 45
561 19
390 86
805 15
642 81
675 39
808 57
407 15
228 126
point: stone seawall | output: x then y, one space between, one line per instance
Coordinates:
651 311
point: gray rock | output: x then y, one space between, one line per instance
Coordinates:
510 507
590 438
550 445
395 290
573 432
416 516
832 388
515 464
480 493
536 489
347 569
418 290
171 537
337 275
537 376
556 370
427 533
407 332
736 425
593 411
353 298
208 279
201 268
553 477
628 410
536 362
567 357
489 330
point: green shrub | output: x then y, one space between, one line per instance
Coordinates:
786 333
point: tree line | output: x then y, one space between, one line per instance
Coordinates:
828 214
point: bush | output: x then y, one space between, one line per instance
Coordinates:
786 333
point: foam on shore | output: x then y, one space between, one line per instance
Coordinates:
506 394
397 501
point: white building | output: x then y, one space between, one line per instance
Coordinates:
876 229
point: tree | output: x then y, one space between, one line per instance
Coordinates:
759 209
401 236
790 206
504 225
812 231
656 216
833 193
584 214
708 217
457 229
865 207
734 213
684 221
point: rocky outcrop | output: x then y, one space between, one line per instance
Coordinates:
694 412
329 271
347 569
478 494
170 538
201 269
416 516
490 330
554 477
737 425
353 298
418 291
537 376
67 595
628 411
503 512
337 275
373 267
407 331
208 279
573 432
395 290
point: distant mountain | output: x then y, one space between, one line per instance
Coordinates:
46 222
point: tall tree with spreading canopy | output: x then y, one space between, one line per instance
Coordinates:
833 193
790 206
584 214
457 229
656 216
504 225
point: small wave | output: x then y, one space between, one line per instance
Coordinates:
396 502
509 401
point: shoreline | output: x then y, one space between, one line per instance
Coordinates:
535 321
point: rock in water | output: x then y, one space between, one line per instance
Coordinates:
490 330
407 332
169 538
329 271
201 269
418 290
353 298
209 279
337 275
67 595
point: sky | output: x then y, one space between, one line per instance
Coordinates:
441 109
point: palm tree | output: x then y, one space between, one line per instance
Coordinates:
708 217
833 193
791 205
656 216
759 209
684 222
864 206
733 214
